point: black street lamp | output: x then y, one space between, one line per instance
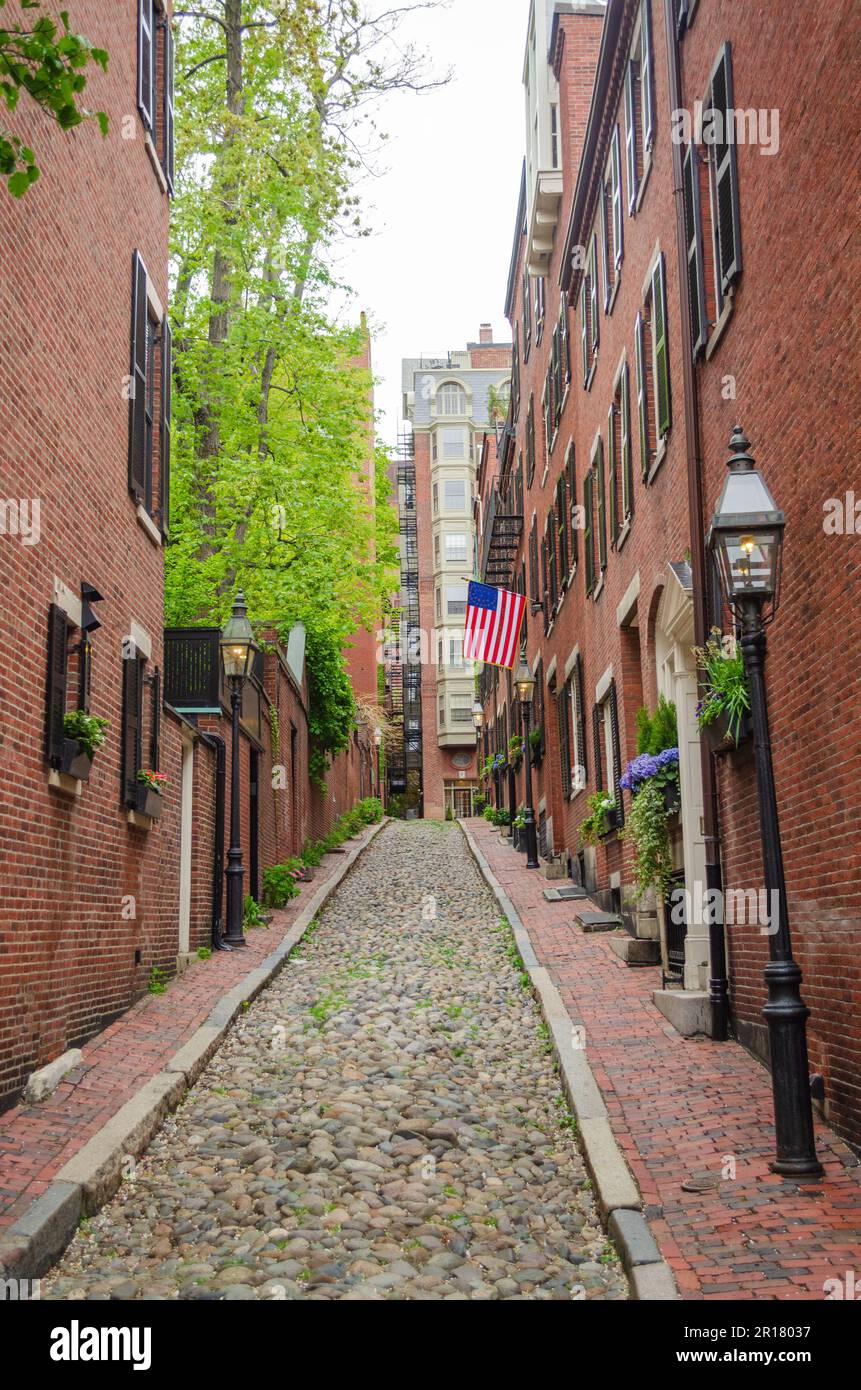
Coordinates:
746 537
524 684
237 655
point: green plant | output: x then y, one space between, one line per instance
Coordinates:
157 983
449 813
724 684
647 829
479 806
658 731
312 853
520 818
535 736
203 952
600 804
488 813
515 751
88 729
251 914
280 882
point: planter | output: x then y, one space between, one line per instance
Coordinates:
75 762
718 737
147 801
612 821
672 799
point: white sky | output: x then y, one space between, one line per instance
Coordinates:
443 210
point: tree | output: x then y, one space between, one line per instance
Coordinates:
50 69
271 410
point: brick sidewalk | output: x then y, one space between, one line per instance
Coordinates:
677 1106
37 1140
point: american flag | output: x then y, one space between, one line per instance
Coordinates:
493 619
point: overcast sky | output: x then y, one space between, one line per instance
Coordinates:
443 211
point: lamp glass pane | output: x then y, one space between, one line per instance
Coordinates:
745 493
748 561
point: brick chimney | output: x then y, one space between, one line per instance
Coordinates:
485 333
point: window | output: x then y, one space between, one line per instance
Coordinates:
530 442
454 494
461 709
563 705
684 10
456 548
589 331
439 605
527 315
455 652
611 221
539 307
579 717
607 748
455 602
551 586
435 492
619 463
451 399
639 106
723 175
515 376
600 484
654 412
149 394
442 711
455 442
533 563
155 82
554 135
141 721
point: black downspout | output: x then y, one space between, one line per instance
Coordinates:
216 742
718 986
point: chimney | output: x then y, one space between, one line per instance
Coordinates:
485 333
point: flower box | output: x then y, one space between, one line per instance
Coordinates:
718 737
672 798
75 762
147 801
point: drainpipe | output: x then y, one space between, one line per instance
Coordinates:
216 742
718 986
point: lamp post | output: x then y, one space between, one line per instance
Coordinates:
524 684
378 740
237 655
478 721
746 537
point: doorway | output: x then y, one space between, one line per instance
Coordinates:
460 798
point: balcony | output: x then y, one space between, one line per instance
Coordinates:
194 680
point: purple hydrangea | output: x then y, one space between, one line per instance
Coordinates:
648 765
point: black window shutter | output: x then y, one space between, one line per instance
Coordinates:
155 721
146 64
562 707
580 720
642 404
169 123
648 79
572 503
694 237
631 137
138 385
616 750
164 465
726 174
612 473
625 432
596 747
545 597
57 681
132 721
588 532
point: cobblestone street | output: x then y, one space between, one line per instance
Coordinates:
383 1122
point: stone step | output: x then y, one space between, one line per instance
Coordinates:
635 950
598 921
564 894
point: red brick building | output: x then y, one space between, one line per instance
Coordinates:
648 302
89 881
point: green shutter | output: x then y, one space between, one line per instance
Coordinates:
625 429
694 238
584 326
726 176
618 233
642 404
611 470
588 531
602 507
659 339
631 139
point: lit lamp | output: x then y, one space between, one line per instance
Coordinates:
238 649
478 721
378 739
524 684
746 538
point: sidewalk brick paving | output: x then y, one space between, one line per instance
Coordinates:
677 1106
37 1140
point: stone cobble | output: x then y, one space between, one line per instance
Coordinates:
384 1122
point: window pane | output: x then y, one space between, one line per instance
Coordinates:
451 399
455 442
455 547
454 494
455 601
